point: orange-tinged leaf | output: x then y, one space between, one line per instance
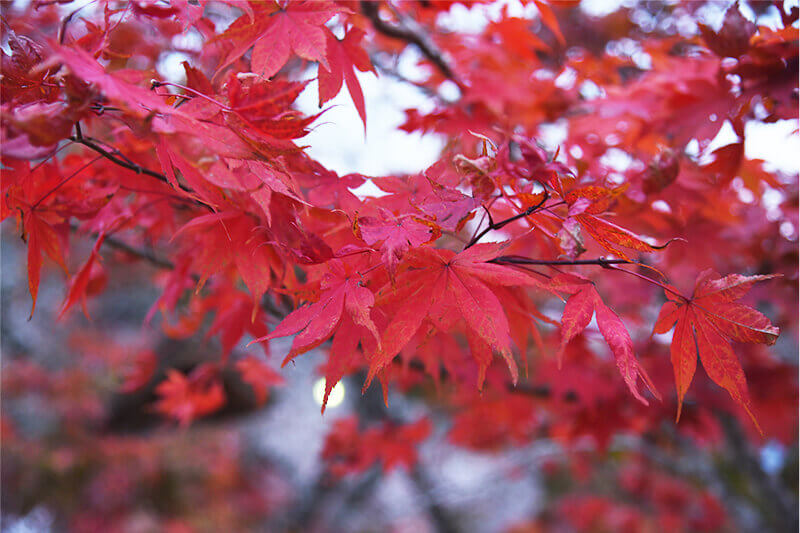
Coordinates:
613 237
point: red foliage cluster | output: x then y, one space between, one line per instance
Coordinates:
205 176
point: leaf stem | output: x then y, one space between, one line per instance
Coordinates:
62 182
157 83
651 280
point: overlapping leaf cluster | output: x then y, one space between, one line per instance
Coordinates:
411 287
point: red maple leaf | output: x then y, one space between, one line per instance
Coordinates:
705 324
258 375
394 235
343 58
274 32
187 398
444 286
581 306
140 371
315 323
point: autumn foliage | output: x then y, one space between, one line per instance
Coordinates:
520 288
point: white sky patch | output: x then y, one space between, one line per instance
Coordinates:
337 138
616 159
368 189
601 8
661 206
475 18
725 136
170 68
552 134
778 144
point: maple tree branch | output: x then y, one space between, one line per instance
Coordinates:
118 158
63 182
119 244
516 260
540 391
498 225
776 506
148 255
654 282
408 30
157 83
161 262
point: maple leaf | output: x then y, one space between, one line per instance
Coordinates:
274 33
733 38
348 450
186 398
230 236
344 355
549 19
316 322
140 372
393 234
343 58
444 286
586 202
136 100
396 445
41 237
79 285
235 315
584 303
259 376
265 106
705 324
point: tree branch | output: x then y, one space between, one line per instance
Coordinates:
498 225
147 255
408 30
118 158
516 260
775 505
